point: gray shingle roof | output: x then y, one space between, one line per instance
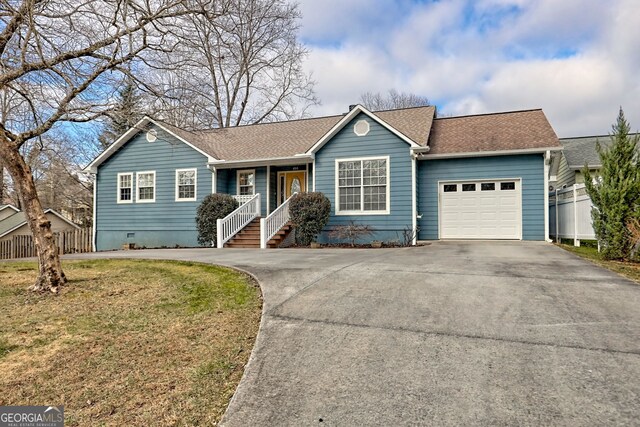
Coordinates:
286 139
582 150
19 219
515 130
16 220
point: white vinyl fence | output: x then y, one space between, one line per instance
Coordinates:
570 214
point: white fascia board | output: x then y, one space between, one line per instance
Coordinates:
9 206
488 153
23 223
93 166
73 224
579 168
13 229
347 118
274 161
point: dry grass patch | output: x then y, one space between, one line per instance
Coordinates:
630 270
127 342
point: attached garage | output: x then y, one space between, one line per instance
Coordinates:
496 197
484 209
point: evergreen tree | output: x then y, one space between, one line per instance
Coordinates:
615 193
126 113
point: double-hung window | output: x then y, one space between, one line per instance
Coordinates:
146 183
362 186
246 182
186 184
125 188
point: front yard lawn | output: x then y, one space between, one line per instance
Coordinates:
630 270
127 342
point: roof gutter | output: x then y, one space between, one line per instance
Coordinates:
489 153
579 168
418 152
273 161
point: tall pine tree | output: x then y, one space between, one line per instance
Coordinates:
615 193
126 113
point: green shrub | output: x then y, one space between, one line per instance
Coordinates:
213 207
309 214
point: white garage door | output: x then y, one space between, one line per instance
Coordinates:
487 209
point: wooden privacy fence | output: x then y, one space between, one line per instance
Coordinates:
68 242
570 214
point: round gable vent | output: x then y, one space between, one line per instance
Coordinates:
361 128
152 135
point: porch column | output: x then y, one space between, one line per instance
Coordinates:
268 189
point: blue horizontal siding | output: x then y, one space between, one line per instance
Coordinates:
222 181
260 185
377 143
529 168
163 223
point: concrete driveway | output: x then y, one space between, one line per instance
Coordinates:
454 333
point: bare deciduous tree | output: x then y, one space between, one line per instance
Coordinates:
392 100
242 67
60 62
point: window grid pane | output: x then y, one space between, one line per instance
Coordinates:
145 186
146 193
246 183
186 185
125 194
362 185
125 188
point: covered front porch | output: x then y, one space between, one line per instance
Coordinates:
263 190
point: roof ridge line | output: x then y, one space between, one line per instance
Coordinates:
489 114
268 123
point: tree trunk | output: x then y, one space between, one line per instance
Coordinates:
51 277
2 192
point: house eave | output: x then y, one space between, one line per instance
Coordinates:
347 118
268 161
541 150
138 127
10 206
23 223
579 168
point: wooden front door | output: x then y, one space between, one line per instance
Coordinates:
290 182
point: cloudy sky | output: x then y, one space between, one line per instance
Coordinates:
579 60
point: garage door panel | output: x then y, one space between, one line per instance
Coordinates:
494 213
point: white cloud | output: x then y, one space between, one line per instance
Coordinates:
577 60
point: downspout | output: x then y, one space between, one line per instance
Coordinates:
547 161
415 153
414 209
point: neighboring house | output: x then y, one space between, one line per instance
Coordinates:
7 210
16 224
566 167
471 177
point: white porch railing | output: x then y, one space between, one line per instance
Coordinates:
270 225
570 214
243 199
230 225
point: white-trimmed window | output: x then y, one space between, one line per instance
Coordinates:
146 184
186 185
362 186
125 188
246 182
